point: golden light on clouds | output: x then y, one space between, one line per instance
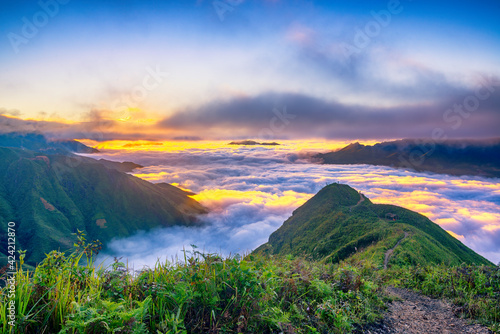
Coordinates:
476 184
202 145
221 198
261 181
491 227
180 186
456 236
152 177
125 118
446 222
158 146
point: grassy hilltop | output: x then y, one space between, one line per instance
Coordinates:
338 223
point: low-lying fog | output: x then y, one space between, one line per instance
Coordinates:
252 190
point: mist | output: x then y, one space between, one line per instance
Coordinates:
251 191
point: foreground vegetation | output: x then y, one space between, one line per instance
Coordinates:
202 294
205 293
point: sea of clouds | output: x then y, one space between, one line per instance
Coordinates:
252 190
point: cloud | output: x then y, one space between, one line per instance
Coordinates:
301 35
14 124
251 191
10 112
377 71
458 111
93 126
290 115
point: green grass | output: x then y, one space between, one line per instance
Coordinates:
203 294
332 227
206 293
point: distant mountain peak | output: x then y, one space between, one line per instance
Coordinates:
353 147
454 157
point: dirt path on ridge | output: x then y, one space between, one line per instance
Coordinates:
388 254
361 200
416 314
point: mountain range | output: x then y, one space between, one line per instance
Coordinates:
454 157
50 193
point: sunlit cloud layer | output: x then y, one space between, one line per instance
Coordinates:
251 191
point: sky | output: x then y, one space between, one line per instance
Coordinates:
230 69
175 80
250 191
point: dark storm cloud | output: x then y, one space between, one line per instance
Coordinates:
287 115
458 112
420 97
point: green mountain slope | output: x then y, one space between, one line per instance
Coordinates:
454 157
338 223
50 196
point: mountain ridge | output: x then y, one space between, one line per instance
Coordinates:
454 157
339 223
50 196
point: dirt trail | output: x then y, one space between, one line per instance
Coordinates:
416 313
388 254
361 200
